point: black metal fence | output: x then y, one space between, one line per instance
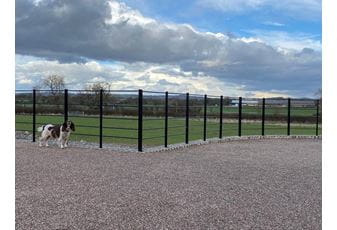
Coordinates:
143 118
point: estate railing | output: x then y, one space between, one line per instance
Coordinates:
140 118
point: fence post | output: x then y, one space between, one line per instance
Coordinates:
166 117
263 114
140 120
205 117
34 113
65 105
101 118
317 117
288 129
187 118
240 116
221 114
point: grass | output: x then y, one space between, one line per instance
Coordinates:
212 109
295 111
124 130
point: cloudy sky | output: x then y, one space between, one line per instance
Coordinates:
246 48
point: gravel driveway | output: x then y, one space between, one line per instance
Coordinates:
251 184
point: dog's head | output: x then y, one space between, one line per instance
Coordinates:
68 126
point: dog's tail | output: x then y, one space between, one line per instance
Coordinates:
40 129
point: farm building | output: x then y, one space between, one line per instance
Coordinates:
235 102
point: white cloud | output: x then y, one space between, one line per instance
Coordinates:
269 23
25 81
121 13
155 77
285 40
309 9
111 31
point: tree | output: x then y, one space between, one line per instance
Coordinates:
54 82
96 87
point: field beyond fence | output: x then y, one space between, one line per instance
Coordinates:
140 118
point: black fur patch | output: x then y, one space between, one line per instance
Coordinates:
55 131
64 127
72 126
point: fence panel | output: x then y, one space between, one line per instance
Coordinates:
251 116
139 119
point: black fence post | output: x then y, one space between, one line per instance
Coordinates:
240 116
140 120
317 117
65 105
34 113
101 118
205 117
187 118
263 114
288 129
221 115
166 118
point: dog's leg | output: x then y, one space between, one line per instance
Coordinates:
47 141
66 142
40 141
60 140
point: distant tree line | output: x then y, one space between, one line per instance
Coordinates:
87 103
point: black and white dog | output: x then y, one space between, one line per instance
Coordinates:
59 132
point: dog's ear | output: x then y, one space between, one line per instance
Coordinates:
72 126
64 126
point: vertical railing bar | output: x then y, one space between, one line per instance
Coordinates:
34 113
187 118
65 105
140 120
317 117
205 117
221 115
263 114
101 118
288 126
240 116
166 118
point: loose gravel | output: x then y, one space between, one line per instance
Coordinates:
247 184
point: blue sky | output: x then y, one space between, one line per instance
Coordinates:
217 20
232 47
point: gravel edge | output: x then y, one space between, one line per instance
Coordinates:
129 148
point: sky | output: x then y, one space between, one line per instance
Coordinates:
249 48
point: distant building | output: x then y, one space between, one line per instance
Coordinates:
304 103
235 102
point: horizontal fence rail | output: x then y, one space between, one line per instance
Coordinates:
140 118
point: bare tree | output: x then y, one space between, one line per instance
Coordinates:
54 82
96 87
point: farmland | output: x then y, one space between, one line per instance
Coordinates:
120 116
123 130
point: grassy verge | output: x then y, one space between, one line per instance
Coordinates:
123 130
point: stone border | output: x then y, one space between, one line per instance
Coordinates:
227 139
133 149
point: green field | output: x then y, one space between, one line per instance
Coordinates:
212 109
87 128
295 111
